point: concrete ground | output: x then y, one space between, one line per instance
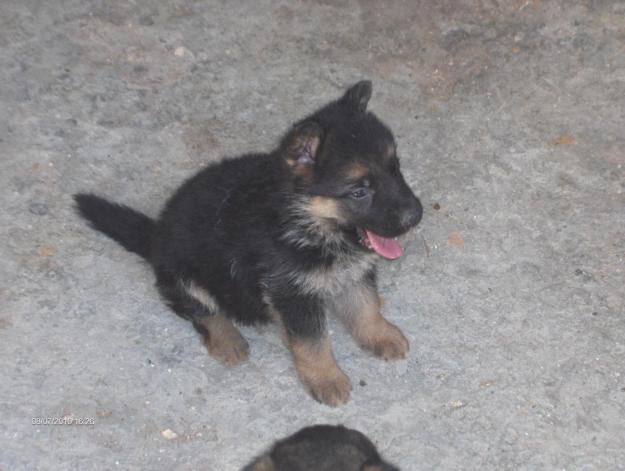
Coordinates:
510 121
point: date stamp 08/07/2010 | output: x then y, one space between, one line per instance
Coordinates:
67 420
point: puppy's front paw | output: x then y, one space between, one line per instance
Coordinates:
223 340
230 350
388 344
318 371
332 391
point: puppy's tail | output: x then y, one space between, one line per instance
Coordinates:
130 228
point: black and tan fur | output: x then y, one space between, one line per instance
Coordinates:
279 236
322 448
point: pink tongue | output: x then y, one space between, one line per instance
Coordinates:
387 248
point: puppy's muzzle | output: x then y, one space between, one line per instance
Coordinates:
411 215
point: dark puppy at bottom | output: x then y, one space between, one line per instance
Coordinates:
286 236
322 448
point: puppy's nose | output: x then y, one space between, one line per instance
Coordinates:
411 216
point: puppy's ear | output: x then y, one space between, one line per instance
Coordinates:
302 147
357 96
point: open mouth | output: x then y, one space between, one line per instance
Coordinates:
384 246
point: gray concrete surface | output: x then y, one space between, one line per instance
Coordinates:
510 120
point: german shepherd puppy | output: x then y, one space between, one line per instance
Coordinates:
322 448
286 236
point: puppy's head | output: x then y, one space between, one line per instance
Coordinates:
345 159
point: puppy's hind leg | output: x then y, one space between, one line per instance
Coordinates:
223 340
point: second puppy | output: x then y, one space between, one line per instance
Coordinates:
290 236
322 448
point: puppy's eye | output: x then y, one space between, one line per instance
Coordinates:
362 190
359 193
